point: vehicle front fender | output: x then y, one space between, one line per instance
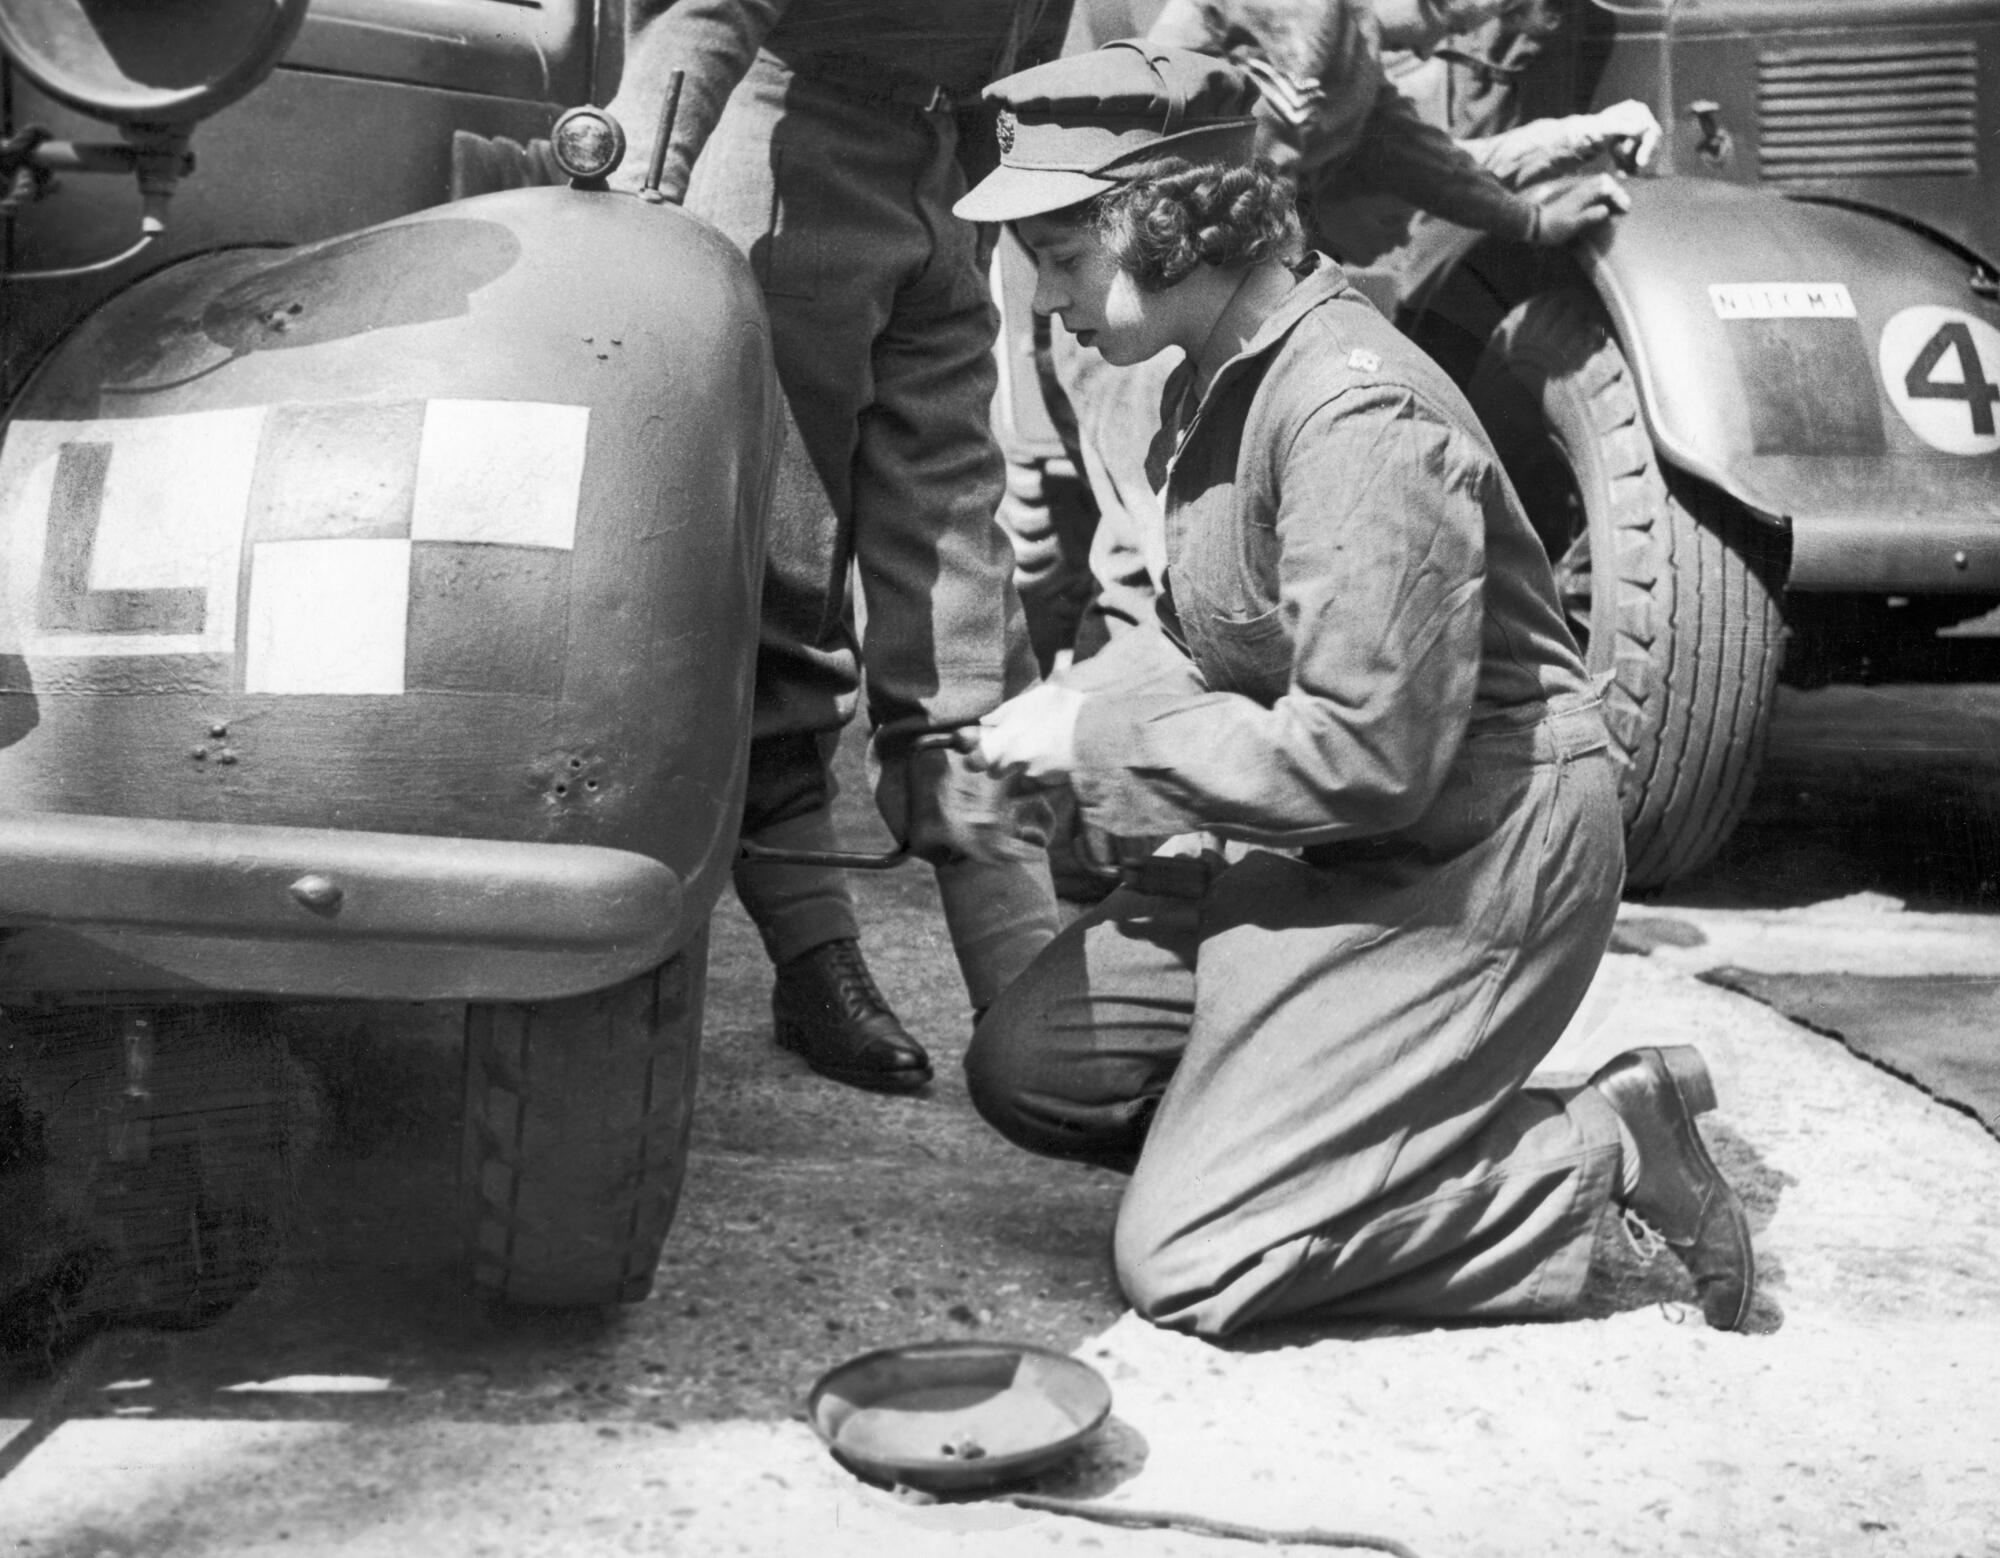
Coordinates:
1830 369
450 529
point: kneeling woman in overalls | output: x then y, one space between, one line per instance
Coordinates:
1315 1067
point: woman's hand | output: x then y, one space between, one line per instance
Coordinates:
956 812
1578 208
1032 736
1627 129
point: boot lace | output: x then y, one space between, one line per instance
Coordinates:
852 985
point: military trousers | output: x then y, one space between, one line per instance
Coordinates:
883 328
1317 1070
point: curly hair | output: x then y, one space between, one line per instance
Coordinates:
1173 215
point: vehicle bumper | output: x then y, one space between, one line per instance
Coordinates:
118 903
1898 552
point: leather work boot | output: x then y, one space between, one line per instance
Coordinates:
1677 1188
826 1007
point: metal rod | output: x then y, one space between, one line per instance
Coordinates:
657 167
844 859
91 269
855 860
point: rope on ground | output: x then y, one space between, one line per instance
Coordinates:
1201 1525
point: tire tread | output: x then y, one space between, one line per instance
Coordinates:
1696 621
576 1123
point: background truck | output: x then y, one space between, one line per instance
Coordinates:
1754 419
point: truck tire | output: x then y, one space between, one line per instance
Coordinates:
1688 637
577 1115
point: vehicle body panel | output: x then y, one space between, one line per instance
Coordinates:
497 48
1856 151
1789 403
444 535
356 126
116 903
1800 87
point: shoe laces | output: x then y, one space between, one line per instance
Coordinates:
854 986
1647 1242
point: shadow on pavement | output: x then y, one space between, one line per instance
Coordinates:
1891 789
1936 1031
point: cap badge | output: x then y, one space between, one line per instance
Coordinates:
1005 131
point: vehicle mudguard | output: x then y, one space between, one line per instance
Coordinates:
449 528
1831 369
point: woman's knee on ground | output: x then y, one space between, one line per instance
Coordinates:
1173 1279
1033 1082
1190 1254
1012 1071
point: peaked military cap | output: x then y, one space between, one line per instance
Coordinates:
1078 126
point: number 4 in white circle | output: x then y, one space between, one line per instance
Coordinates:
1941 367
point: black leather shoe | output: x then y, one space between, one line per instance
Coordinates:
1678 1190
826 1007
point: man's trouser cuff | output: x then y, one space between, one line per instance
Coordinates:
1000 917
796 908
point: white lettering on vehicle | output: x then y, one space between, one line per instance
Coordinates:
1781 300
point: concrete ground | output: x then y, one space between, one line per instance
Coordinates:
1862 1415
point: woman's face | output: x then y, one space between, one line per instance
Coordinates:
1078 282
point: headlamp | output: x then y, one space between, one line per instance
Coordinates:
587 144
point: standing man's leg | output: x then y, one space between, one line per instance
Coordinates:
946 637
760 182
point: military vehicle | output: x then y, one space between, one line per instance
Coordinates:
382 503
1754 418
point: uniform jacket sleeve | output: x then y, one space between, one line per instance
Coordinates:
1047 24
1139 663
713 41
1401 154
1539 149
1322 52
1380 525
1333 108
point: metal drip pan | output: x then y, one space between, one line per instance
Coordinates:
947 1416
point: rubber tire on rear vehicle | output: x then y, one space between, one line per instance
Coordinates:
577 1116
1687 644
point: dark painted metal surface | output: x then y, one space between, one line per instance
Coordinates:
355 128
494 48
1920 105
1797 414
303 158
149 64
317 911
567 668
1890 76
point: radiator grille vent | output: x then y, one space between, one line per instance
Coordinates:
1848 111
